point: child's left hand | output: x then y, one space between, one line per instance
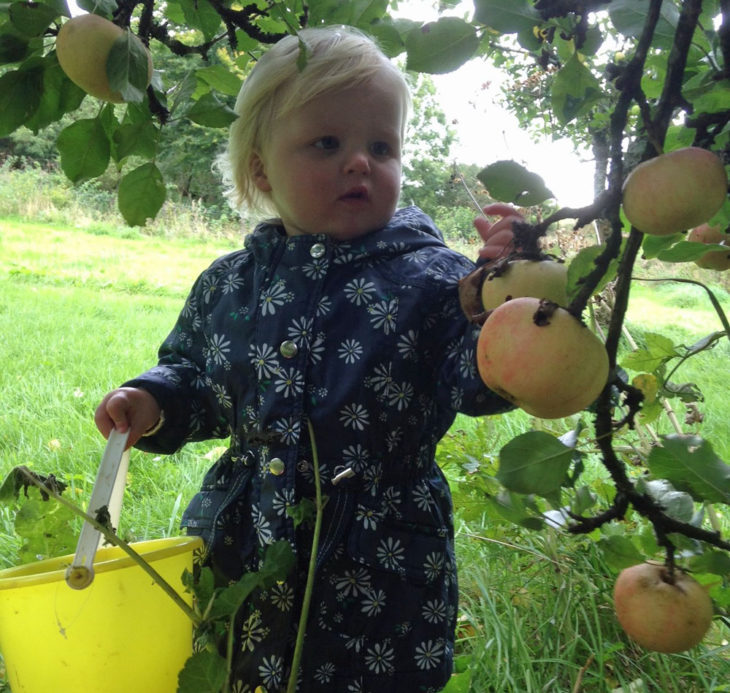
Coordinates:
498 237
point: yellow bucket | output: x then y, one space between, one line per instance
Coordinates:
122 634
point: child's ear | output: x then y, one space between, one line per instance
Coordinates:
258 173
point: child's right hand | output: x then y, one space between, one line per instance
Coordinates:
127 408
498 238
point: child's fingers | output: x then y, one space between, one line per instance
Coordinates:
500 209
498 245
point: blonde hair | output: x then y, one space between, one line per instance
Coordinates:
294 71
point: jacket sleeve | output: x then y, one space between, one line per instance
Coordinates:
180 384
460 386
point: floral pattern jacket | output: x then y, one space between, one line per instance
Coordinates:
367 341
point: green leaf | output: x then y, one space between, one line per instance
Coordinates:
651 246
583 264
60 96
715 562
141 194
13 48
517 509
139 138
208 110
46 528
200 14
204 672
85 149
575 90
230 598
534 462
128 67
619 552
691 465
31 19
20 95
359 13
658 350
687 251
629 16
220 78
441 46
507 16
508 181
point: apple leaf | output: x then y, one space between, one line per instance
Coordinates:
208 110
140 138
508 181
84 148
629 17
583 264
441 46
534 462
60 95
676 504
690 464
517 509
221 79
715 562
658 350
619 552
687 251
200 14
20 94
141 194
204 672
507 16
359 13
575 90
651 246
31 19
128 67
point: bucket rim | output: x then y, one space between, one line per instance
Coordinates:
109 558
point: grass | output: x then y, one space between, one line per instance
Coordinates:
83 309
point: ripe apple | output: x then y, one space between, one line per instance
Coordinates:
538 356
539 279
661 612
83 45
712 259
675 191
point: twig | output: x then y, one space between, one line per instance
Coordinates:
112 538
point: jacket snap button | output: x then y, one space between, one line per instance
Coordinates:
288 349
276 466
317 250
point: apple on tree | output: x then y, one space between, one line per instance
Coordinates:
540 357
661 610
675 191
712 235
83 46
536 278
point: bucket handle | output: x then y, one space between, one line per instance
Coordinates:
107 493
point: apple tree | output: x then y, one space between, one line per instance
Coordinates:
632 79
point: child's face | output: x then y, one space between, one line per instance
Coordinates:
333 166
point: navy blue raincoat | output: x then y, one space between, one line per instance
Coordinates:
367 341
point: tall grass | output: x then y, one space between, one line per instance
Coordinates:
83 307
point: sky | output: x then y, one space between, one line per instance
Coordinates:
487 133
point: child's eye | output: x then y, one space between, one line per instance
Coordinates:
328 142
380 149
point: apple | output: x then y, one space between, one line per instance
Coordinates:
541 358
662 612
83 45
675 191
712 259
539 279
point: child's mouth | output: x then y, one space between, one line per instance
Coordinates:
358 193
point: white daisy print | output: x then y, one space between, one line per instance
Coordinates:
262 526
288 428
353 582
429 654
399 396
264 360
316 269
282 596
325 672
359 291
252 632
433 565
271 670
217 348
355 416
383 315
408 345
434 611
379 658
289 382
273 297
390 553
350 350
367 516
373 603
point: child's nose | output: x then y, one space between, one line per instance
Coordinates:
358 162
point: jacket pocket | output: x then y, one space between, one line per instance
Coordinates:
418 554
